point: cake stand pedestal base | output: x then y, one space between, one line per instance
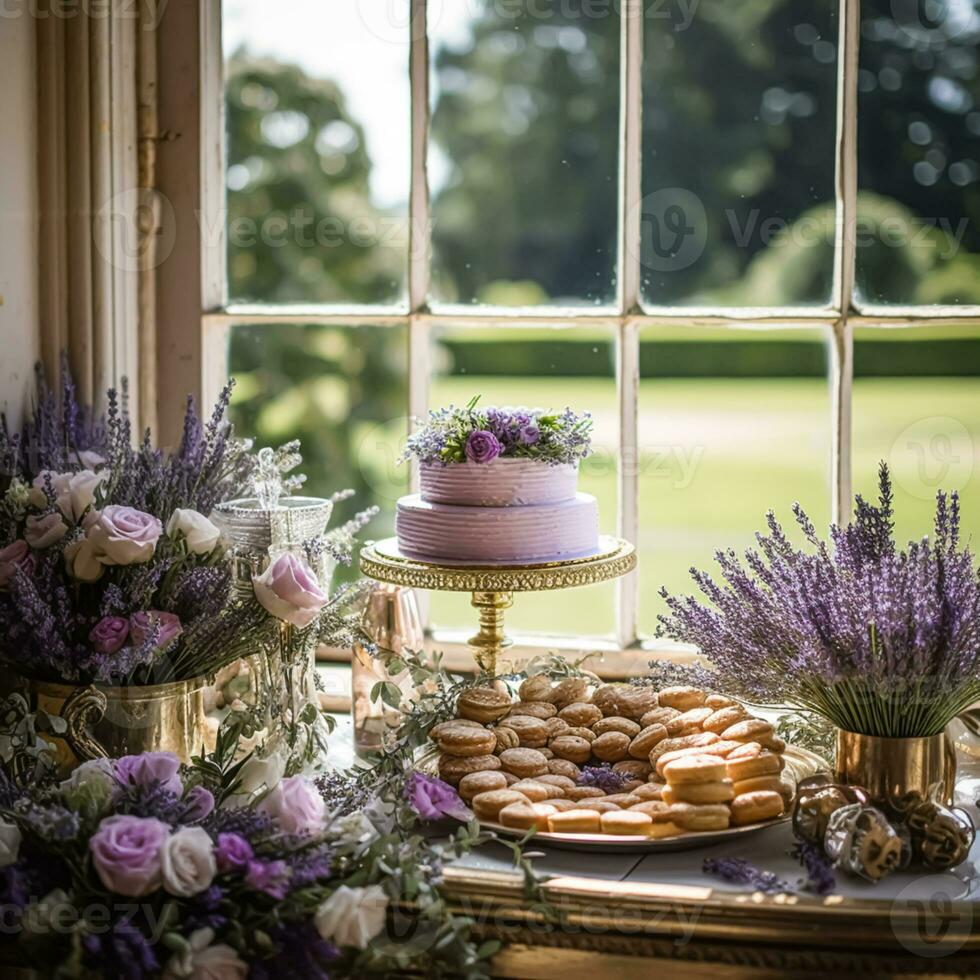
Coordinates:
491 640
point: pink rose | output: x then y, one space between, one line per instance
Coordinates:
126 853
109 634
124 535
151 768
296 804
167 625
14 556
290 591
44 531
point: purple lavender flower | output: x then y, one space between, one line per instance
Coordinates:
820 878
300 951
603 777
742 872
482 447
433 799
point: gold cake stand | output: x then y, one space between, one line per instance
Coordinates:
493 586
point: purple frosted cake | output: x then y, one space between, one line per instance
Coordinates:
499 485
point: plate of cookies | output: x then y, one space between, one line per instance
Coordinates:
599 766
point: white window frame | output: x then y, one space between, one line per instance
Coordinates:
837 320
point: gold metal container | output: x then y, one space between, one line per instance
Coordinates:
114 721
888 768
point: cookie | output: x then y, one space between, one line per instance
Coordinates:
746 767
571 747
748 730
644 742
618 798
570 690
611 746
677 754
650 807
688 721
533 709
598 804
658 716
525 763
504 738
559 783
467 741
452 768
699 740
511 778
717 701
694 769
636 768
724 718
436 731
699 817
720 791
483 704
561 804
563 767
487 806
580 714
538 687
576 821
662 824
474 783
526 816
584 793
531 732
683 698
771 783
545 751
586 733
536 792
649 791
624 700
556 726
615 724
723 747
629 823
755 806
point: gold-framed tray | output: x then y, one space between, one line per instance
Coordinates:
800 763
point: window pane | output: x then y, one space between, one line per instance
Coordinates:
548 369
732 424
524 152
919 152
739 106
917 407
318 151
343 392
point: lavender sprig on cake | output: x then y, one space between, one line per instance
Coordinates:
481 435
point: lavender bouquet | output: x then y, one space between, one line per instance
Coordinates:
110 570
877 639
480 435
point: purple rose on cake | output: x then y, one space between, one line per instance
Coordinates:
482 447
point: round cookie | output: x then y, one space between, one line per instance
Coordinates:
720 791
584 793
682 697
662 824
678 754
561 804
533 709
614 724
571 747
716 701
557 726
474 783
630 823
536 792
644 742
526 816
748 766
658 716
688 721
694 769
437 730
487 806
581 732
452 768
464 742
611 747
771 783
483 704
560 783
618 798
698 740
748 730
636 768
505 738
625 700
755 806
598 804
580 714
700 817
724 718
511 778
649 791
564 767
575 821
537 687
650 807
569 690
545 751
525 763
531 732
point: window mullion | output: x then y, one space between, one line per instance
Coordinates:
842 378
845 237
628 471
418 203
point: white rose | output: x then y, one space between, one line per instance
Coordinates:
199 533
95 772
187 862
352 916
9 843
81 561
74 492
90 460
44 531
203 961
257 776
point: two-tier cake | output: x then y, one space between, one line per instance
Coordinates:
499 485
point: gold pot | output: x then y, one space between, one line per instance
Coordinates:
888 768
113 721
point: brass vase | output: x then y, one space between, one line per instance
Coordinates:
113 721
888 768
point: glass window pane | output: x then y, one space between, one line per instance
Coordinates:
732 424
919 153
523 155
343 392
548 369
917 407
318 151
739 104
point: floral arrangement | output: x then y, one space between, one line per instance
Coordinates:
481 435
874 638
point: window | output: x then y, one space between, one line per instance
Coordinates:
743 235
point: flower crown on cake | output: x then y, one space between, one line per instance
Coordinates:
480 435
